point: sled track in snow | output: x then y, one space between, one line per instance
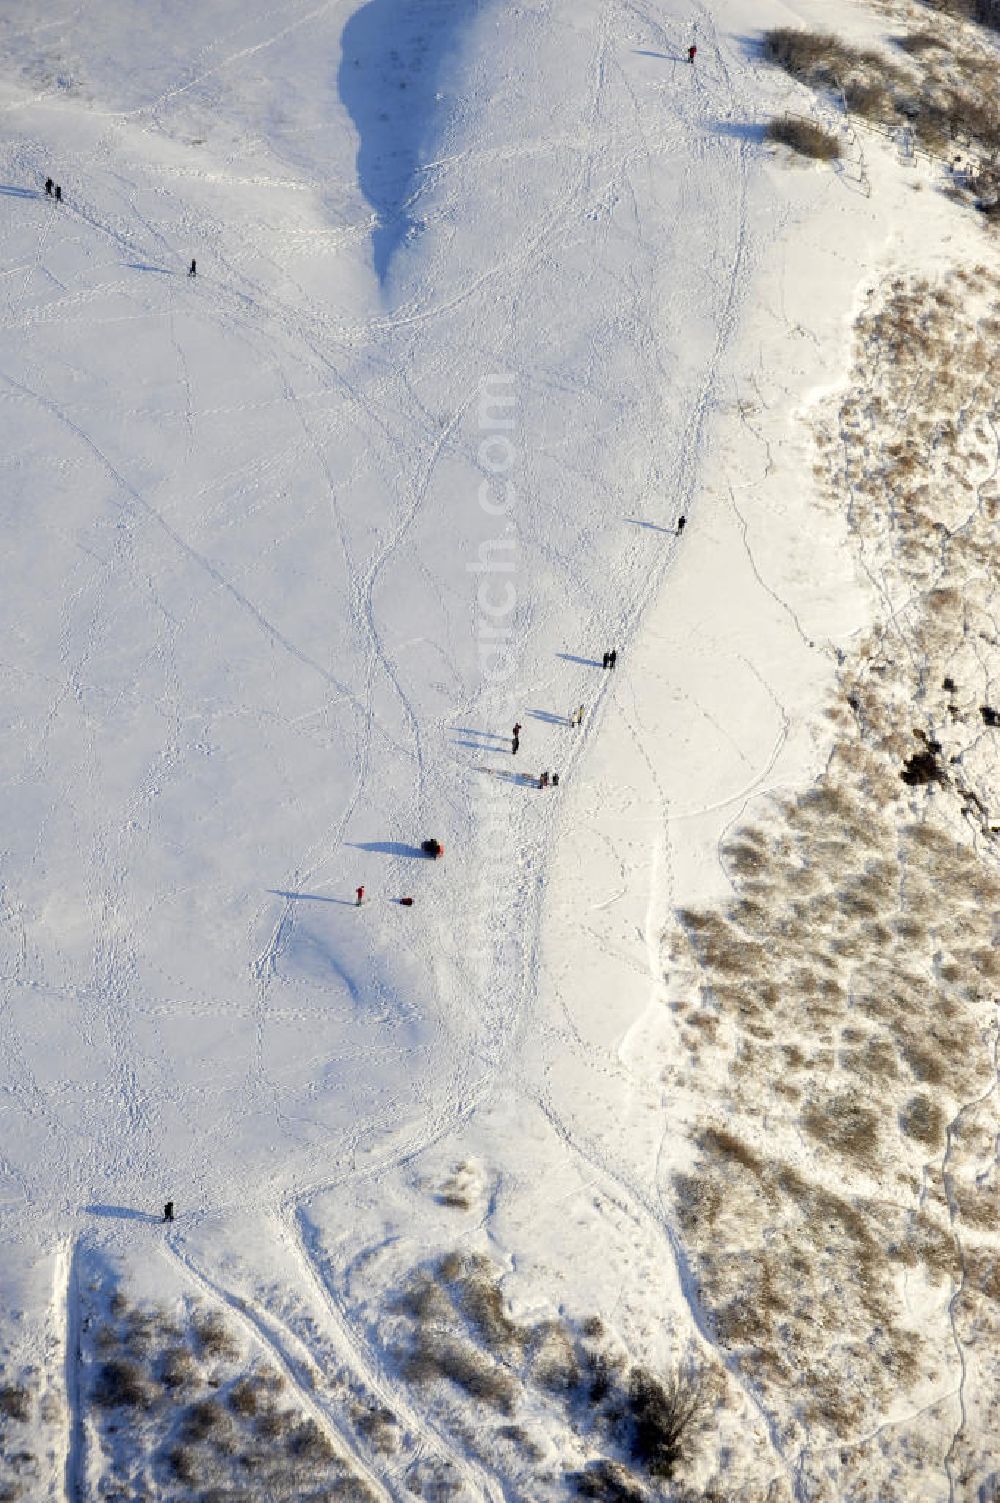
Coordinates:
360 1356
294 1360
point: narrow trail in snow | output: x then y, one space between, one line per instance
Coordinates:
67 1295
294 1360
360 1356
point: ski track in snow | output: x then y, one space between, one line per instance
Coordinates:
292 1358
360 1357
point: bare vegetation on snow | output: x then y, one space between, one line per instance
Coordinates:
848 992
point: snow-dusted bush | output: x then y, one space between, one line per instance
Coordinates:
439 1354
121 1384
198 1417
803 136
938 91
15 1401
984 12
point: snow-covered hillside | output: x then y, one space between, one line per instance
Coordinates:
488 298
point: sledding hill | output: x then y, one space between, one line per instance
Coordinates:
486 299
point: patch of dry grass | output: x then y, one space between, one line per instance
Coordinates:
804 137
203 1427
853 975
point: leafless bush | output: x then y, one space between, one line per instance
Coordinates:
923 1119
481 1300
553 1360
608 1482
919 42
518 1437
121 1384
845 1126
459 1189
307 1444
178 1368
214 1336
248 1396
141 1328
207 1420
814 57
15 1401
868 98
378 1425
803 136
925 1061
424 1300
666 1418
726 1145
985 12
438 1354
271 1423
184 1463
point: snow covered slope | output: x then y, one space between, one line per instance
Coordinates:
253 513
487 298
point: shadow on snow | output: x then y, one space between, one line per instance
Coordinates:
387 848
392 56
121 1213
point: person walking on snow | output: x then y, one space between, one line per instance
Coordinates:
543 780
168 1211
515 742
360 898
49 185
516 731
613 658
577 716
692 52
681 524
193 268
58 192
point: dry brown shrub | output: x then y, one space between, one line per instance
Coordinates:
924 1120
178 1368
804 137
425 1300
699 1202
121 1384
207 1420
982 1271
15 1401
834 1401
477 1293
214 1336
844 1125
723 1144
438 1354
379 1426
553 1360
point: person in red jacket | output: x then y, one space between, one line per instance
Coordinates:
361 896
692 51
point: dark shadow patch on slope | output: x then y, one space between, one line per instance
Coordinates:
392 60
